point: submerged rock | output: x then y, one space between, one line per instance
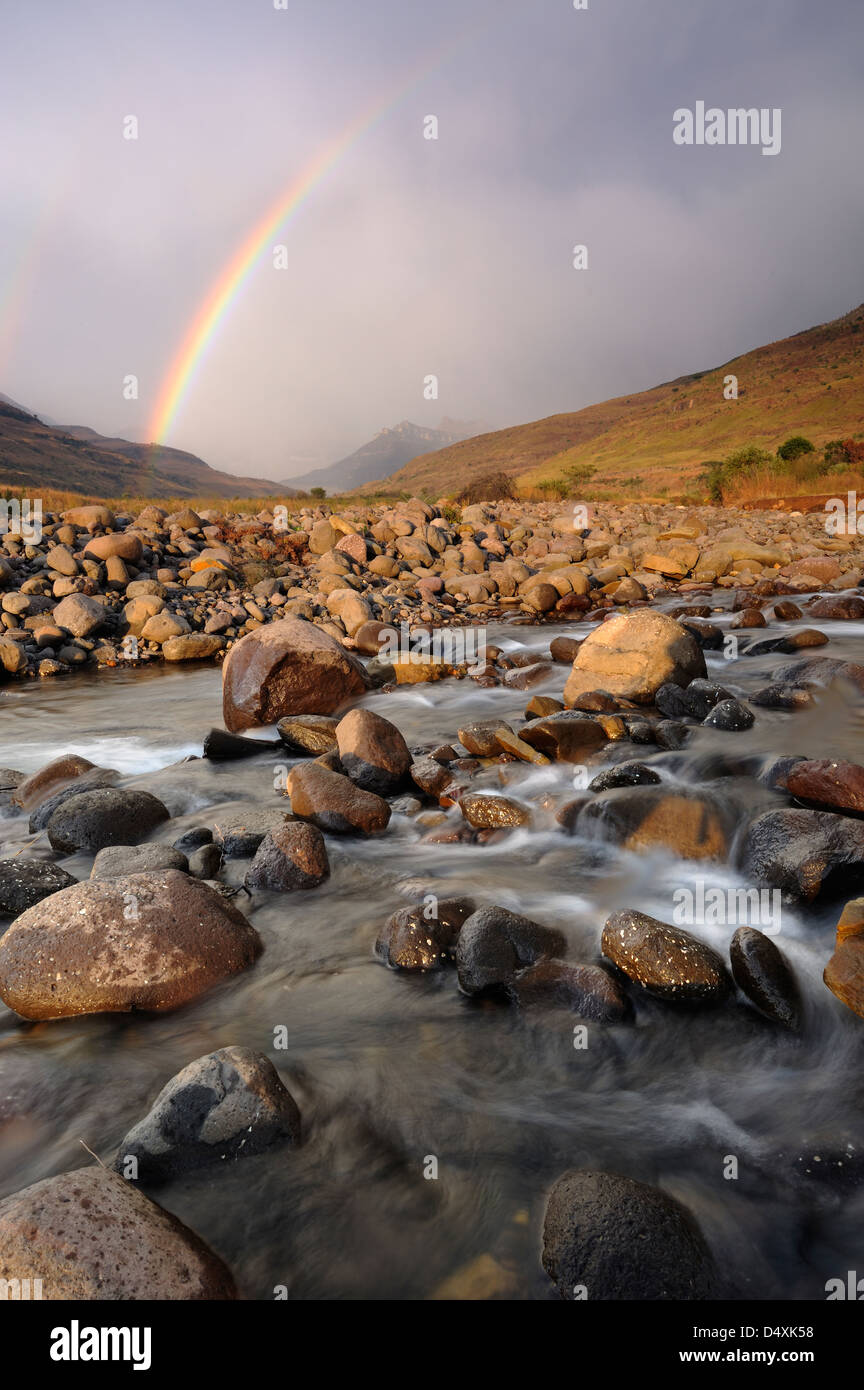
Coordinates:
423 936
588 990
218 1108
608 1237
495 944
762 973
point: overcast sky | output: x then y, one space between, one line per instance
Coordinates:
414 256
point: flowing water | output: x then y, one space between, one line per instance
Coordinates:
391 1070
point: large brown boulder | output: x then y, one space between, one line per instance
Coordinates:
51 778
632 655
372 751
149 941
334 803
90 1235
287 667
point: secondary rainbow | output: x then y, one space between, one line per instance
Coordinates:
230 283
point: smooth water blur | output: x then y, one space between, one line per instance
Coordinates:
390 1070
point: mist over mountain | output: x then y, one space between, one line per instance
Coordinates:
389 450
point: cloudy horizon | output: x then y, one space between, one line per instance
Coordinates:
450 257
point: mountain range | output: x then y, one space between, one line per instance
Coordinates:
657 441
384 454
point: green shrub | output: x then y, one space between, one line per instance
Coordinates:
318 492
494 487
794 447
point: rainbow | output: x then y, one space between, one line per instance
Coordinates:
235 275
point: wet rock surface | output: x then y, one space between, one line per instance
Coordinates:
668 962
225 1106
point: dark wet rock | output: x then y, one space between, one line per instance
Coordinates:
729 715
568 814
292 857
106 816
486 811
238 833
372 751
618 1239
25 882
669 963
844 973
569 737
423 936
624 775
587 990
117 860
193 839
634 654
288 667
148 941
819 670
694 826
495 944
843 608
780 696
308 733
48 1232
219 1108
764 975
668 733
702 696
709 636
808 855
670 701
829 1163
832 785
433 779
206 862
220 746
333 802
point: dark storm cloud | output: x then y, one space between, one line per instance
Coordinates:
450 257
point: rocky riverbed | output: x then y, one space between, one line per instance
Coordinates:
370 976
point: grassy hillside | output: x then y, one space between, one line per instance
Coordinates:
654 443
35 456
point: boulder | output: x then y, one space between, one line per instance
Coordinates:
288 667
126 545
424 936
334 803
89 1235
25 882
692 825
49 780
372 751
763 974
808 855
632 655
495 944
667 962
607 1237
116 860
105 816
294 856
832 785
219 1108
150 941
79 614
